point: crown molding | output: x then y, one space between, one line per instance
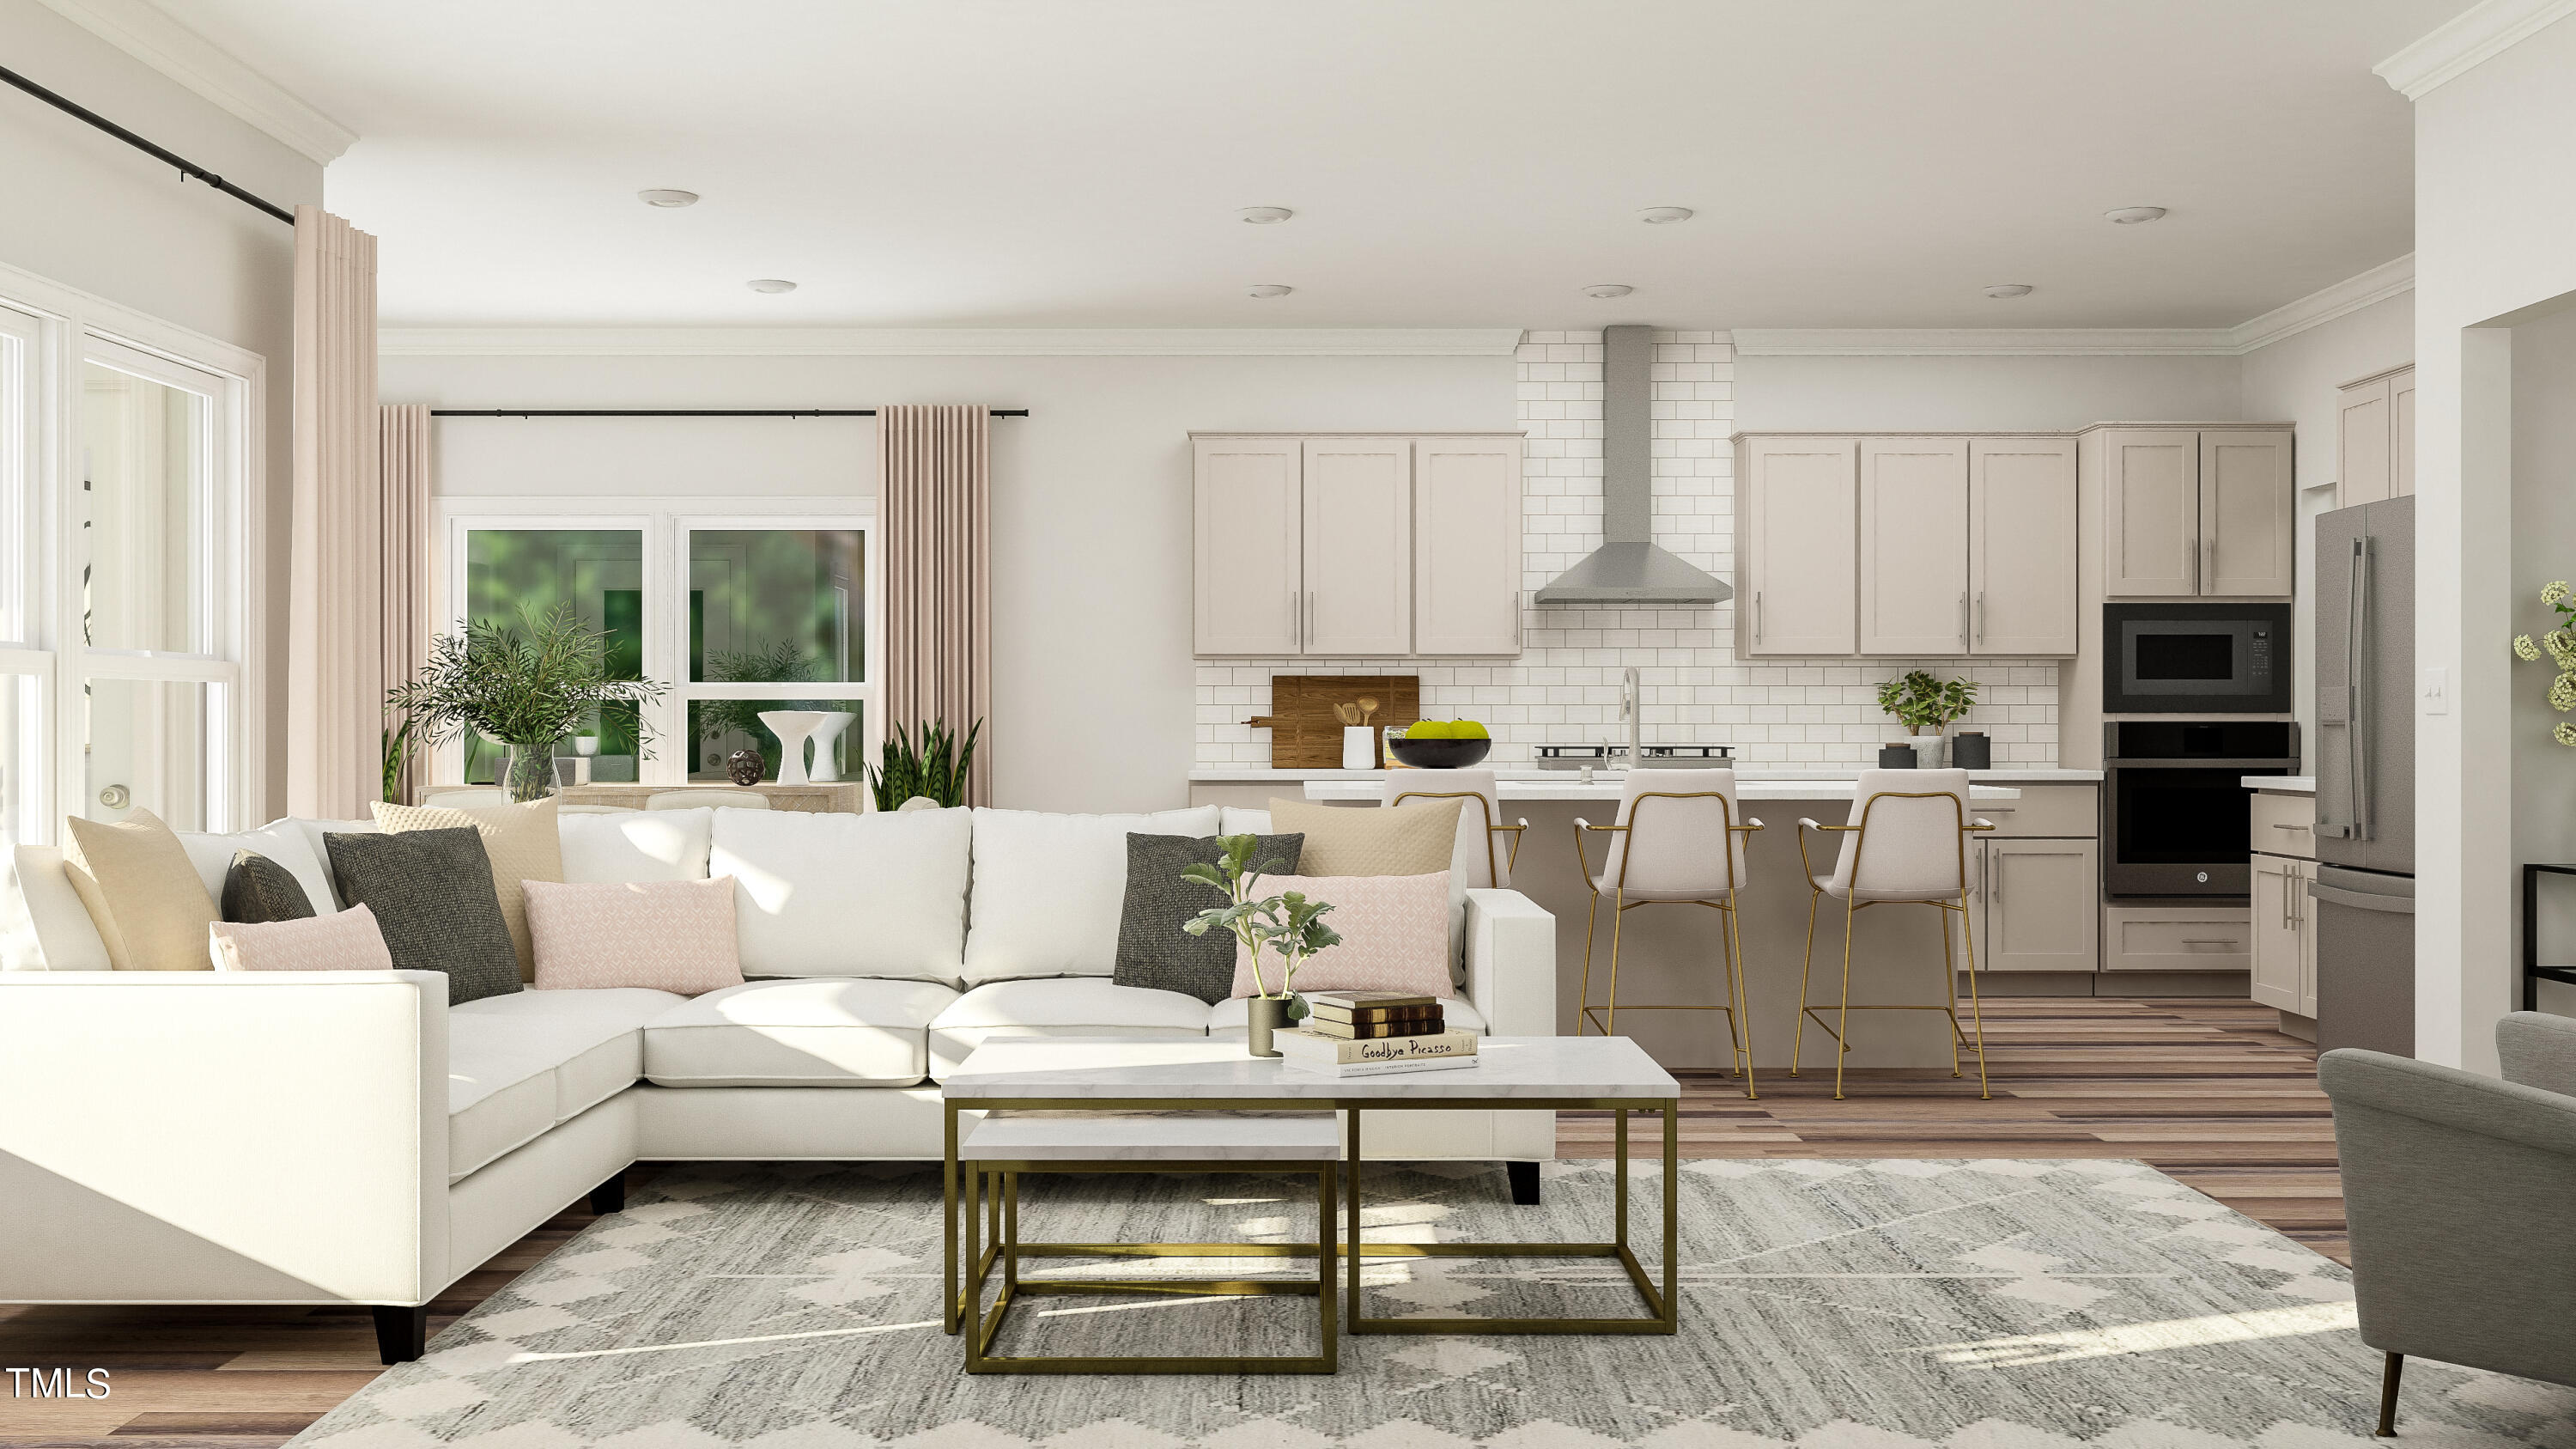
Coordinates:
147 33
2469 40
1982 342
2325 304
945 342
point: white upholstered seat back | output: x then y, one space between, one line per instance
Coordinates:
1481 854
1680 848
1913 847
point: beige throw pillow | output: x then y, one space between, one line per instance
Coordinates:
144 895
1415 838
523 844
343 941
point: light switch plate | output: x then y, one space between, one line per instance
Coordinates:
2436 694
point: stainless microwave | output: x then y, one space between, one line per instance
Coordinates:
2195 659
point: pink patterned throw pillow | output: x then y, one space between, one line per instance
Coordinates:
1395 935
348 941
670 935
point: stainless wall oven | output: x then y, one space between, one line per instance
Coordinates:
2195 659
2177 819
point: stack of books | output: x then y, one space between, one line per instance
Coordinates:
1373 1033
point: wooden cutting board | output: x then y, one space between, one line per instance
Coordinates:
1305 734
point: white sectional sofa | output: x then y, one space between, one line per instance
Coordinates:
347 1137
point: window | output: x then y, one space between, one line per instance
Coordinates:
763 606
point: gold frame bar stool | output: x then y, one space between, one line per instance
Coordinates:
1686 850
1001 1149
1900 847
1477 785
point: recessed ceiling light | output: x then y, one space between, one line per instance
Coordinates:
665 196
1608 290
2008 290
770 284
1265 215
2132 215
1268 289
1665 215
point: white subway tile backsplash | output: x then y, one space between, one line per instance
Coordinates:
1564 688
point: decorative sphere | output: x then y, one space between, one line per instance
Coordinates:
743 766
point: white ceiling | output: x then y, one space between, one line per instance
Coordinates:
1453 163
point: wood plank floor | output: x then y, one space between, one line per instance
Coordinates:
2206 1090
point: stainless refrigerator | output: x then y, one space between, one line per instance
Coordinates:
2364 892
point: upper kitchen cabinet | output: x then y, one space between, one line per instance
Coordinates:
1913 545
1467 546
2190 512
2021 546
2375 438
1356 545
1797 590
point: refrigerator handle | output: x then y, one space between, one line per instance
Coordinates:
2357 680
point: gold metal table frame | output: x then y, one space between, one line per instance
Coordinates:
967 1199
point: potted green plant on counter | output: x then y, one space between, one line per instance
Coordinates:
528 685
935 770
1926 706
1290 924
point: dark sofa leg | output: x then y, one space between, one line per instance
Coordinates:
402 1334
609 1197
2388 1395
1524 1183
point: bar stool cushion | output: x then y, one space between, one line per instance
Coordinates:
1683 850
1915 848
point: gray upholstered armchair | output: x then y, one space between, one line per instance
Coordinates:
2461 1191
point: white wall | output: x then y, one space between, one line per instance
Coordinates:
1093 680
2544 550
91 212
2493 215
2006 394
2295 380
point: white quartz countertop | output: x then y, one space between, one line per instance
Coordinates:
2281 784
1744 774
1605 786
1063 1068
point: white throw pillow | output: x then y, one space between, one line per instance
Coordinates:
882 894
1237 820
1049 888
282 842
634 846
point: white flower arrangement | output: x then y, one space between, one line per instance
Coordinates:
2559 645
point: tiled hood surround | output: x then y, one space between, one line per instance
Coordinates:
1564 689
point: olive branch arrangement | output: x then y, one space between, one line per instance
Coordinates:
2560 644
1290 924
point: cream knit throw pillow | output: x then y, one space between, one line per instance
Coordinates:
147 900
523 844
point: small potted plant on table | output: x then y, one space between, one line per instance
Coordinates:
1291 924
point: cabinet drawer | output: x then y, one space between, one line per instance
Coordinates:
2060 811
2284 825
2177 938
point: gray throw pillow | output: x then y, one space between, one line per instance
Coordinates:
1153 950
258 890
432 895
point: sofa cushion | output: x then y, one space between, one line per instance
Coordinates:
521 842
813 1032
341 941
1457 1013
817 894
283 842
149 903
1060 1006
432 894
635 845
670 935
259 891
1048 889
1394 930
1155 948
519 1064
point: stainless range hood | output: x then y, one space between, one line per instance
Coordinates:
1628 568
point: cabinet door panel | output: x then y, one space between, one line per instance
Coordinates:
2246 513
1801 546
1914 546
1467 546
2043 906
2303 916
1359 546
2363 432
2150 513
2401 394
1248 594
2275 979
2021 546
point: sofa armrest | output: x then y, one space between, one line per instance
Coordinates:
223 1137
1511 963
2538 1050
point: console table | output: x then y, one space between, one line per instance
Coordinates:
846 796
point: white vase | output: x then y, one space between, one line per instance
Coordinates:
1359 747
793 727
1930 752
827 737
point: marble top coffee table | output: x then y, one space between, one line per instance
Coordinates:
1539 1072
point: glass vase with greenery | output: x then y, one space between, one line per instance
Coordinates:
2559 645
1290 924
934 770
527 685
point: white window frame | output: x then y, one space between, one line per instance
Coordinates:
54 332
666 523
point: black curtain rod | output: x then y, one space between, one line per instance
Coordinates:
678 412
187 168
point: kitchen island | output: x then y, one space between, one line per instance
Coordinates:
1670 955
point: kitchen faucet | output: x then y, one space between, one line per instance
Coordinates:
1632 699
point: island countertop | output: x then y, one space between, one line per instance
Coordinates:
1745 774
1604 785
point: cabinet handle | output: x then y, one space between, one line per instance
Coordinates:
1963 621
2208 565
1296 621
1994 875
2231 942
1981 616
1757 616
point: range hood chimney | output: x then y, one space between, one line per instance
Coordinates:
1628 568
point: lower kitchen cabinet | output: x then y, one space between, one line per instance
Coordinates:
2285 938
2186 937
2034 905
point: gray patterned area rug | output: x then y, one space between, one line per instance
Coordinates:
1993 1304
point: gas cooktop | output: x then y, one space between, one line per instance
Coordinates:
1615 757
